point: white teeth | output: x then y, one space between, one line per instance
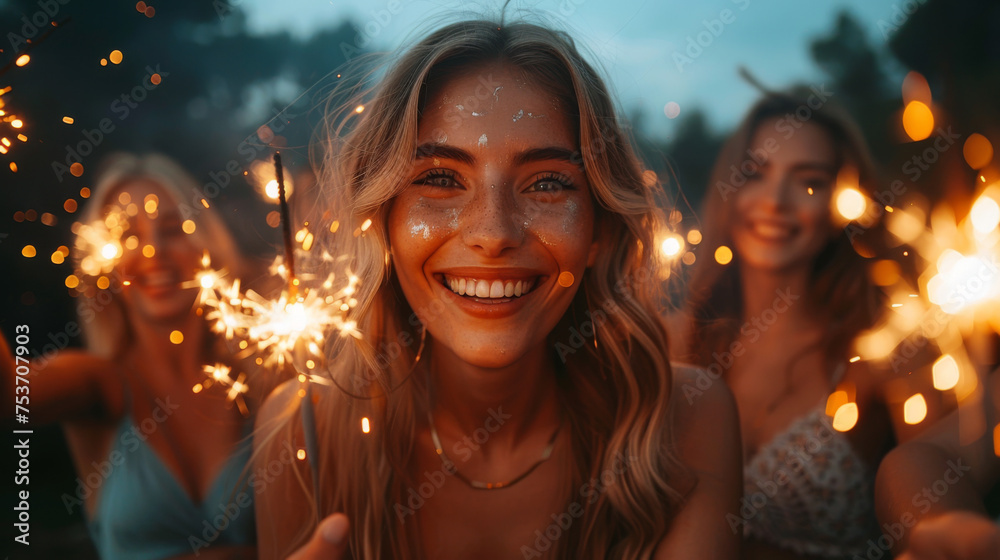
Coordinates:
482 289
493 289
496 289
771 230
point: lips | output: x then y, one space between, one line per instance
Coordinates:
158 281
482 288
772 230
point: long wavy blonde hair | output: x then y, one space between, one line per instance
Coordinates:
618 393
102 311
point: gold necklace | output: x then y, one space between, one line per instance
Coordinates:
475 484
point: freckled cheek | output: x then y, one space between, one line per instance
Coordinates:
567 227
430 223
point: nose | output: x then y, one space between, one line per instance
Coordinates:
491 223
776 193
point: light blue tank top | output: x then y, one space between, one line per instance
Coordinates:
143 513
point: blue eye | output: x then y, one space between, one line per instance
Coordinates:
440 178
551 183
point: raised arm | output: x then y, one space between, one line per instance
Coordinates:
940 472
71 385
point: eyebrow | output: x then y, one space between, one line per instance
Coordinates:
445 151
815 166
809 166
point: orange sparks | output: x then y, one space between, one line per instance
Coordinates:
68 120
155 79
13 167
22 60
76 169
16 123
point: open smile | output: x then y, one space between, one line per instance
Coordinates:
489 294
481 288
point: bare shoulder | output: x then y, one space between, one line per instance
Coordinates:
700 395
678 323
707 435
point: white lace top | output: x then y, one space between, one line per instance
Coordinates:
808 491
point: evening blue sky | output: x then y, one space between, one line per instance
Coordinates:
639 44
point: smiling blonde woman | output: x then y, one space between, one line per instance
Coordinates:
508 215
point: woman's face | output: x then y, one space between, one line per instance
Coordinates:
492 236
783 211
155 293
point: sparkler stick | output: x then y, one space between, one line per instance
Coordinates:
32 44
286 228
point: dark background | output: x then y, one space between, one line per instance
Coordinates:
219 84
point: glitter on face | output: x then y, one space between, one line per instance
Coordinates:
482 140
519 115
419 227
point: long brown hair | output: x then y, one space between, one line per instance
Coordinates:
618 399
841 296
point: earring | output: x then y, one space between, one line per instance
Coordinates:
420 349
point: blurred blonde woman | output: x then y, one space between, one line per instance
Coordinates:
513 369
158 465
